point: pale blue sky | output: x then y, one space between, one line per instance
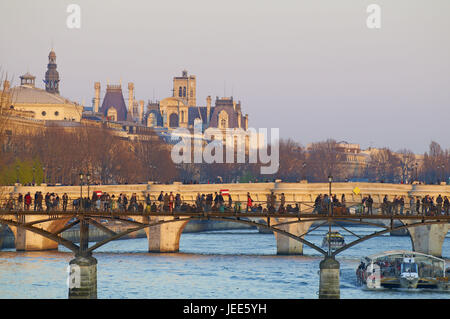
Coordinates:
310 67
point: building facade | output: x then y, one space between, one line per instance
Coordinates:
29 101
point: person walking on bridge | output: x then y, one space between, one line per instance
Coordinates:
27 201
65 200
385 205
161 201
411 206
369 203
249 202
166 202
282 201
401 202
39 199
439 201
446 205
171 200
317 204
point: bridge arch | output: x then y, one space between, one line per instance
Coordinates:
17 227
390 229
176 232
51 227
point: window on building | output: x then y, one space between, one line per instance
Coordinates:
223 119
184 91
56 113
180 91
44 113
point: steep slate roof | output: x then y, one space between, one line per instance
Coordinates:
157 114
198 112
226 104
114 97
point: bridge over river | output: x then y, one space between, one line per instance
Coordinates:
38 230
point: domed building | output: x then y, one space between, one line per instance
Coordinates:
43 104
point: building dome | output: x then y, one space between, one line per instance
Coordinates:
44 105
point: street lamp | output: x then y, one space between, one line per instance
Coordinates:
415 166
81 188
88 178
330 180
303 170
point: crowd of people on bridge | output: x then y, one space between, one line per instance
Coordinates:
38 202
426 205
323 204
219 202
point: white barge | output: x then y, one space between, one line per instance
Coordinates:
403 269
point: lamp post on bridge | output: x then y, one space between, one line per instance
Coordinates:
415 166
329 267
330 212
83 269
81 189
88 178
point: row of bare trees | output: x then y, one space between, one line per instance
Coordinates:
326 158
58 155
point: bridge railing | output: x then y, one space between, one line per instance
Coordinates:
113 204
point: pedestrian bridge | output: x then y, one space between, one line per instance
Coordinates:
41 231
37 230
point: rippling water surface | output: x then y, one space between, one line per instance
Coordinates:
221 264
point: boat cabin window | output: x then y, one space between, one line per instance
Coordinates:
409 267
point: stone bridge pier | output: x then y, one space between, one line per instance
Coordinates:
428 239
285 244
165 237
26 240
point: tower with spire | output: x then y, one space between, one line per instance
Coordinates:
52 76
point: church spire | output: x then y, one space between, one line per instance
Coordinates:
51 76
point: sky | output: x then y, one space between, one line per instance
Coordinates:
311 68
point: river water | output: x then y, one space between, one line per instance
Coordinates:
233 264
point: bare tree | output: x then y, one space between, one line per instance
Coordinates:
324 159
407 160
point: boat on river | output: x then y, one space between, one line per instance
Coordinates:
333 239
403 269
